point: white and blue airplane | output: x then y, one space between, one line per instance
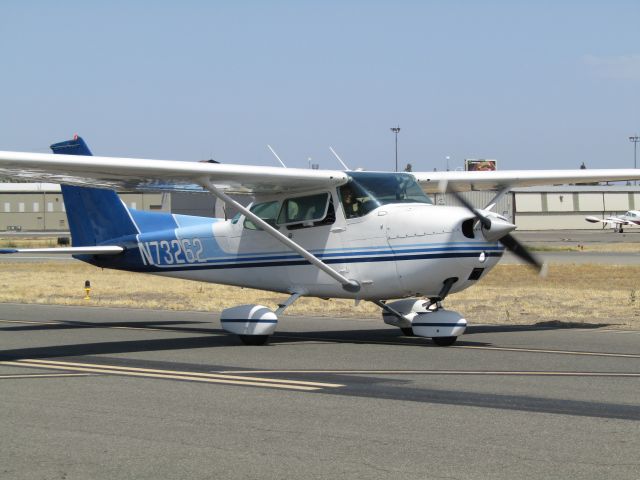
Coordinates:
372 236
618 222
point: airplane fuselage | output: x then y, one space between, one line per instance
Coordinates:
396 250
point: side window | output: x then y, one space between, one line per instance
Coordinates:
306 211
267 211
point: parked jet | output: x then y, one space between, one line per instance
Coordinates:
631 219
371 236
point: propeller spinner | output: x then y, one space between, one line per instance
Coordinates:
498 229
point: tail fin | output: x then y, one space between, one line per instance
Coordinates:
95 215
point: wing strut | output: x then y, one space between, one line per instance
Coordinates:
348 285
501 193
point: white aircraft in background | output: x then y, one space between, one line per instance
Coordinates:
371 236
629 219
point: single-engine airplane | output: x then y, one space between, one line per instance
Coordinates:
629 219
372 236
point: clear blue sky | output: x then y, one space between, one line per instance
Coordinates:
544 84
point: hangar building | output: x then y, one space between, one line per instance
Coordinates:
38 207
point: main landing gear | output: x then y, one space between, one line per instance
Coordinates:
253 324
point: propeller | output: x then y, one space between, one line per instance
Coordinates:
499 230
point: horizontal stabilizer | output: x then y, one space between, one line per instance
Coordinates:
593 219
101 250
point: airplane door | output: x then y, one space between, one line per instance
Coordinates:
323 238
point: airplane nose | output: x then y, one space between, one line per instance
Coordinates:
497 229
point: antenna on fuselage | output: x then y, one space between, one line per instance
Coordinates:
339 159
276 155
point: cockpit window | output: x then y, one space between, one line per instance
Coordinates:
369 190
267 211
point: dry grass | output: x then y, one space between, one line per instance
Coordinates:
583 294
28 242
510 294
589 247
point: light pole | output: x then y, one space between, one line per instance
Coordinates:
396 130
635 139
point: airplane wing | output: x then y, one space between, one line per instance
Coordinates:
98 250
170 175
607 221
162 175
434 182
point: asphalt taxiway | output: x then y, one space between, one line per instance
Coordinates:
121 393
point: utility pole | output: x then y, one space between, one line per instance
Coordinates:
635 139
396 130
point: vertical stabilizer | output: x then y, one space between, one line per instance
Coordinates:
95 215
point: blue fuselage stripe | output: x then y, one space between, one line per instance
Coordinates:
300 261
376 254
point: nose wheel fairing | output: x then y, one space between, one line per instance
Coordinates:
424 318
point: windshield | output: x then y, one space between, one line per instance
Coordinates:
369 190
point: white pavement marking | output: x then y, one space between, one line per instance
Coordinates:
27 322
86 324
45 375
445 372
560 352
175 374
507 349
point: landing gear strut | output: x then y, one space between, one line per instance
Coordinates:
254 323
407 331
425 318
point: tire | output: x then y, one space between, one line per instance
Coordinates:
407 331
444 341
254 339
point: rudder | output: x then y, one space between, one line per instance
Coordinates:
95 215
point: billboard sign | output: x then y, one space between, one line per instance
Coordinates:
481 164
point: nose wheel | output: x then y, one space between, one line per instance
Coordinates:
254 339
444 341
420 318
407 331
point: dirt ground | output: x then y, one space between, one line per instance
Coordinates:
510 294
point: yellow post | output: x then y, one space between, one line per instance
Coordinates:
87 289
